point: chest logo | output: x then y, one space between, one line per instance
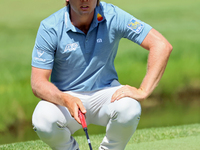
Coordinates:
99 40
71 47
135 26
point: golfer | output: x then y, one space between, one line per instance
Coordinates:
76 47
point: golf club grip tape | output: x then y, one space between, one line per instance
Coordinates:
82 118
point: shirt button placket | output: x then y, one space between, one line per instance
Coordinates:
86 42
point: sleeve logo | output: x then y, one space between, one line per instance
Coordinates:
40 52
135 26
39 55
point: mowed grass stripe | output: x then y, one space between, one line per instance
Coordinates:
166 138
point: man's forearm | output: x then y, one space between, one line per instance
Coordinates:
47 91
157 61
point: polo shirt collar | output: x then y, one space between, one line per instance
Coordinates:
68 24
98 18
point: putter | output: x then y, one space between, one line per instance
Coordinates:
84 125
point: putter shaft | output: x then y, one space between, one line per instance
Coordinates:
84 125
88 139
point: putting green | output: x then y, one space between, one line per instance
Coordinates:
185 143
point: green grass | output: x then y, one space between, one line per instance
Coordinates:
186 143
177 20
185 137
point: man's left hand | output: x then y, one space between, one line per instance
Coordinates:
129 91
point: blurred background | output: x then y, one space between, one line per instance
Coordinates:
175 101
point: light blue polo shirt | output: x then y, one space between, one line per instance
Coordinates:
84 62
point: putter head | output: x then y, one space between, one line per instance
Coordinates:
82 118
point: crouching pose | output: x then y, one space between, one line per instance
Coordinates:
76 47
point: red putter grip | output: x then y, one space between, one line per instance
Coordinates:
82 118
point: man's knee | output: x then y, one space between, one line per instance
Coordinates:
46 119
51 124
127 112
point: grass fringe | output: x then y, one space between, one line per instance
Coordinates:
141 135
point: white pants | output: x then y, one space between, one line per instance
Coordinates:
54 124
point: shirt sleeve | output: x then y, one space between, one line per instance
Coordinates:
45 47
131 27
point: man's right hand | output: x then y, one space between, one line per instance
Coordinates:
74 104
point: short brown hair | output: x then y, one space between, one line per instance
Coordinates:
98 1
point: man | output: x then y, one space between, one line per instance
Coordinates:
77 46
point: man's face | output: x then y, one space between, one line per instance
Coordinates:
82 7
